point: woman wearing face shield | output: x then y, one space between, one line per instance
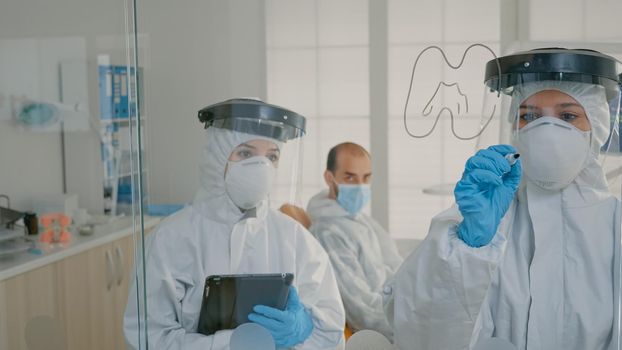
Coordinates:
230 229
532 259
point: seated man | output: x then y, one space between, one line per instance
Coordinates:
363 255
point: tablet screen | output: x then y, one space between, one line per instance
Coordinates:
229 299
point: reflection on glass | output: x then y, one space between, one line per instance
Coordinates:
65 252
251 336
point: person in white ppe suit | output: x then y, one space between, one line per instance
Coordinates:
362 253
533 259
230 229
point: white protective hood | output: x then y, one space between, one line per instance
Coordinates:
212 197
590 183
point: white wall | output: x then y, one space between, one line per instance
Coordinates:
313 59
194 55
34 38
322 69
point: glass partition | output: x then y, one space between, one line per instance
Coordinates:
117 202
346 67
68 87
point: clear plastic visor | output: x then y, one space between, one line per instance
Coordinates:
261 127
589 110
270 143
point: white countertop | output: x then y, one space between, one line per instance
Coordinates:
19 263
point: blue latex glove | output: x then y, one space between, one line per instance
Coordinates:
485 192
288 327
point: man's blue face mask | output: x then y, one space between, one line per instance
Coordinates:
353 198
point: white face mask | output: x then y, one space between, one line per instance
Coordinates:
248 181
553 152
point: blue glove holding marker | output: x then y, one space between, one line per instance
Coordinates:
288 327
489 182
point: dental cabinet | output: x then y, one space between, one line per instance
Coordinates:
70 297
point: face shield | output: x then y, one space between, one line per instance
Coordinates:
260 146
560 109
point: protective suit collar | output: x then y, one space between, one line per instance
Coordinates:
212 199
321 206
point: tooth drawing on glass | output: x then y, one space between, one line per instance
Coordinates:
448 96
429 106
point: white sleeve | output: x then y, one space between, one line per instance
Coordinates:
440 287
363 305
390 254
388 301
164 303
319 293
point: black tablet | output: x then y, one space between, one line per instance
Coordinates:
229 299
